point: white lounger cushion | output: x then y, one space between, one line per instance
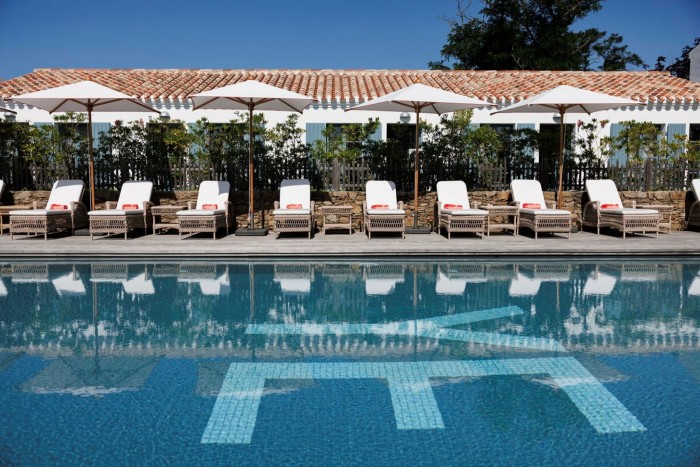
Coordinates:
135 193
132 193
696 189
454 192
379 212
382 192
547 212
63 193
293 192
605 192
2 188
200 212
291 212
213 192
529 192
465 212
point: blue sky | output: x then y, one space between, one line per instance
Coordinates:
377 34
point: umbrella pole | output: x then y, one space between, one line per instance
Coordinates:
251 200
415 172
91 160
561 155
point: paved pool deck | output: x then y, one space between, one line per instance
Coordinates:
337 245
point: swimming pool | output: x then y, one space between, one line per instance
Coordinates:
427 363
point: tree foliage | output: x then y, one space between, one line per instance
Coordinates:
680 67
531 35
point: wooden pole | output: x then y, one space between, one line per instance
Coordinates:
91 160
415 172
251 199
562 111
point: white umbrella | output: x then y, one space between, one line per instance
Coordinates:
84 96
563 99
251 95
420 98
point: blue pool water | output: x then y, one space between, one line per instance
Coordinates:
383 363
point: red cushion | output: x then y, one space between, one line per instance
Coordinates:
609 206
210 207
58 207
294 206
531 206
380 206
130 206
452 206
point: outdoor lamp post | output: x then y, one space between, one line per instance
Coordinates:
164 116
405 117
10 117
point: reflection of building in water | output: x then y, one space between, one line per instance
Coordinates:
382 278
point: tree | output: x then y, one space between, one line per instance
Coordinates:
532 35
680 67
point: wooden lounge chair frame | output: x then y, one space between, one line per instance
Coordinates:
546 218
294 192
115 219
196 219
391 219
625 219
462 219
46 221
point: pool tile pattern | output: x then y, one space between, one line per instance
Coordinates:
436 328
415 408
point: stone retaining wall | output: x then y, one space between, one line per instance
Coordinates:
264 202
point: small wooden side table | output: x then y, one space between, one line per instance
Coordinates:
501 217
5 215
665 215
166 210
332 216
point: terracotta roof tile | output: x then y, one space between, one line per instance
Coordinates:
177 84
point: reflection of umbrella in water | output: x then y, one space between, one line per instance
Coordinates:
251 95
84 96
563 99
92 375
420 98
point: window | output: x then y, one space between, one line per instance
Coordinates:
694 134
403 133
335 130
549 142
500 128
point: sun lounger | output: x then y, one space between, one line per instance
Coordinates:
380 211
132 211
63 211
211 213
294 212
533 211
694 213
605 209
454 209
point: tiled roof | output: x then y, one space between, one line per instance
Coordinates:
494 86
